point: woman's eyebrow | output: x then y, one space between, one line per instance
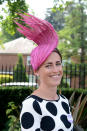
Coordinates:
50 63
58 61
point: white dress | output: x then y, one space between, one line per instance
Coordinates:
38 114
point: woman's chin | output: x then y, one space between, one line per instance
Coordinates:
54 84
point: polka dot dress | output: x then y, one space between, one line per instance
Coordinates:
38 114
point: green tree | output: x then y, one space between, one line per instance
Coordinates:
8 26
56 19
19 73
74 35
1 45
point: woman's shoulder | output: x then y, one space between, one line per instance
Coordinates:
31 104
31 101
27 101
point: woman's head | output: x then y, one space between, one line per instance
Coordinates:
56 51
45 58
50 72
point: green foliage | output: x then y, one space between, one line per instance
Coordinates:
56 19
1 41
62 5
15 95
2 38
79 111
5 79
13 123
19 73
8 26
73 36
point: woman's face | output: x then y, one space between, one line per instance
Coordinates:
51 71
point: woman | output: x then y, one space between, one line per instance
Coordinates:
44 110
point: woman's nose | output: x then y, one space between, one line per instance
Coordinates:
55 69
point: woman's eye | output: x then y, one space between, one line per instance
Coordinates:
48 66
58 64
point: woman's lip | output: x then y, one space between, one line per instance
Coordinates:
55 75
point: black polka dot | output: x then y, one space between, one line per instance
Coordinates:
37 98
51 108
36 107
47 123
27 120
37 129
60 130
65 121
65 107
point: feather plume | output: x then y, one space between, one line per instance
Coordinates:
42 33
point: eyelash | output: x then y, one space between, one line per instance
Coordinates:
58 64
47 66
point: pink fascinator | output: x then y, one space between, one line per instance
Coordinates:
42 33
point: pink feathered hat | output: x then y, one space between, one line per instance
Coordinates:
42 33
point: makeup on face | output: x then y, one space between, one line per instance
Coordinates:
51 71
50 65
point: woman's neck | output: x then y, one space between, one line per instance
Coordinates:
45 92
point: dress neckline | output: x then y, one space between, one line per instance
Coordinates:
41 99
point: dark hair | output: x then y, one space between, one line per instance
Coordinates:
58 52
